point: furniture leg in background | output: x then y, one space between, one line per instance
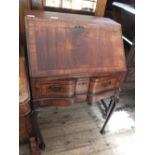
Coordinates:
34 149
109 110
36 130
109 113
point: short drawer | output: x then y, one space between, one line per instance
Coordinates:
99 85
82 85
50 88
80 98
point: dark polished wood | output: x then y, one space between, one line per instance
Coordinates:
124 13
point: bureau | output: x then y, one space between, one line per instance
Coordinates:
73 58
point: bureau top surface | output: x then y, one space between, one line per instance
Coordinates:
65 44
68 16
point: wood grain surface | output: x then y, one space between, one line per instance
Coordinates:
66 44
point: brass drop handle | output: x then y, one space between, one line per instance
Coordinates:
106 84
55 88
79 27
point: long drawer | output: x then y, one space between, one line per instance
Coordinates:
54 102
46 87
94 98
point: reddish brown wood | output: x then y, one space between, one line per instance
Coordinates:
47 87
81 91
53 102
100 8
99 85
34 147
73 58
64 44
25 127
73 49
82 85
97 97
24 108
24 94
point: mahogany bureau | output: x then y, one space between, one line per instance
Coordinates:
73 58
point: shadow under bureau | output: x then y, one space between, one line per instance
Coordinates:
73 59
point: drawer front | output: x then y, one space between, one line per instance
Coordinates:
95 98
54 102
82 85
50 88
99 85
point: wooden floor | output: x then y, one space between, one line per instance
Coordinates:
74 130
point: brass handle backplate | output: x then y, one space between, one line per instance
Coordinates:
55 88
106 84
